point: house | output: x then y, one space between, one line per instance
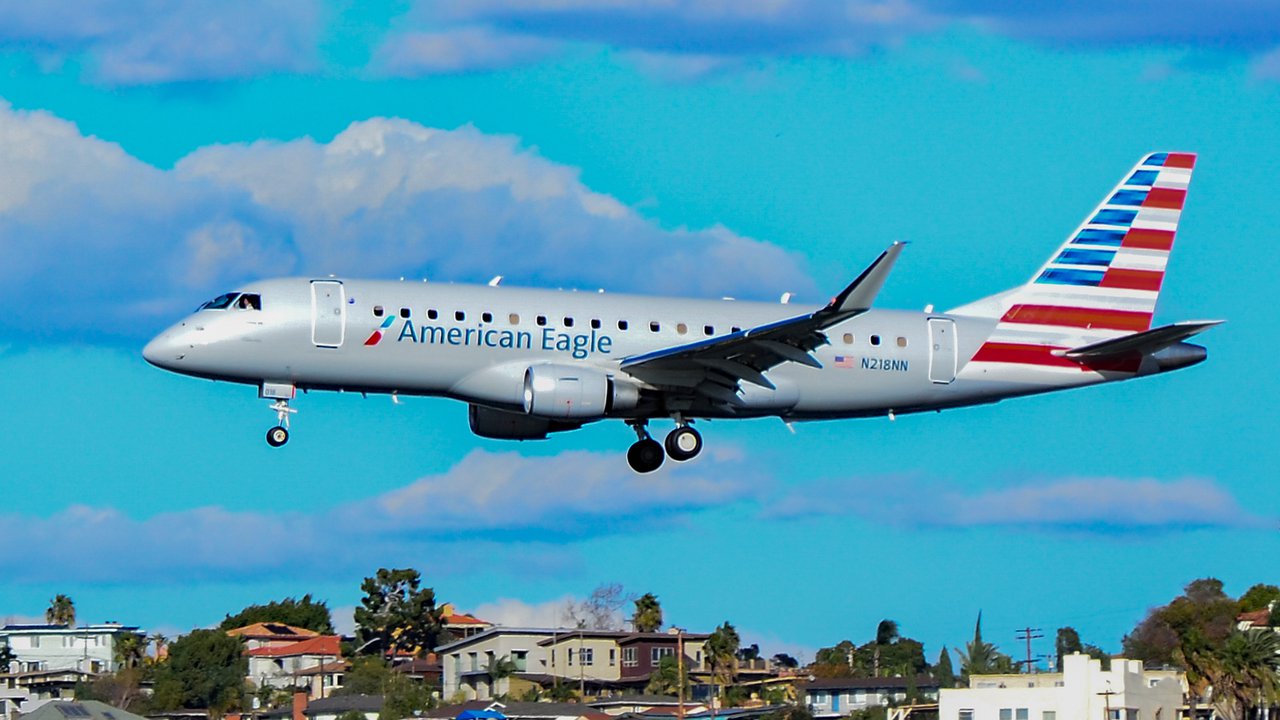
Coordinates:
458 625
835 697
643 652
519 711
331 708
87 648
1257 618
1081 690
78 710
289 658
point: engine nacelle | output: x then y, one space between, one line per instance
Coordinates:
574 391
502 425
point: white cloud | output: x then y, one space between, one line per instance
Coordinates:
82 221
512 612
1100 505
129 42
491 510
465 49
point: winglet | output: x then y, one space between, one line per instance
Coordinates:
862 292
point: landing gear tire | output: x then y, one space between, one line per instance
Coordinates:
277 436
645 456
684 443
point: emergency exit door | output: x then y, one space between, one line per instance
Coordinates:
942 350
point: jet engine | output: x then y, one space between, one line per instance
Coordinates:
502 425
575 391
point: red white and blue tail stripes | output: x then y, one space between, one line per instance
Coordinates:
1104 280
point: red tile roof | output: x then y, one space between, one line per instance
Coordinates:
272 631
322 645
1257 617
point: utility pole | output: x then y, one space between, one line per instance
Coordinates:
680 672
1029 634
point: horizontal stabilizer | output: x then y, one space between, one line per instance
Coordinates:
1142 343
862 292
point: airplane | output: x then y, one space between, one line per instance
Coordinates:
531 362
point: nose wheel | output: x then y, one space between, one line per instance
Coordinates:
279 435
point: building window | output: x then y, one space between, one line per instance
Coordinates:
708 330
613 657
587 656
902 342
654 326
629 657
965 714
521 660
1021 714
656 654
1006 713
542 320
568 322
433 314
1049 715
595 323
681 328
820 697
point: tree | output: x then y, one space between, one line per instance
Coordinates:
1259 597
120 689
1067 642
601 610
784 660
61 611
131 649
397 615
648 614
305 613
886 633
721 650
500 668
942 671
205 670
980 657
749 653
835 661
403 697
368 675
1245 673
667 679
7 658
1187 632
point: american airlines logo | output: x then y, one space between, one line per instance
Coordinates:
577 345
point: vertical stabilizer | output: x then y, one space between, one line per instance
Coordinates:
1103 282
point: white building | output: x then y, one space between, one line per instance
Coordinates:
1082 691
465 662
87 648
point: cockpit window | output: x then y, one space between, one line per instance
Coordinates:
240 301
219 303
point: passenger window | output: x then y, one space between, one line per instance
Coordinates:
622 324
654 327
568 322
487 317
708 330
404 313
875 340
737 329
514 319
681 328
595 323
542 320
459 315
902 342
377 311
432 314
848 338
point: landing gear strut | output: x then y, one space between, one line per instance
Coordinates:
279 435
645 455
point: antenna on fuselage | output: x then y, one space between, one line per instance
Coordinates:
496 281
786 298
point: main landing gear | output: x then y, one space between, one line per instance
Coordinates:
646 454
279 435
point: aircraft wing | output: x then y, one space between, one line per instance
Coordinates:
714 367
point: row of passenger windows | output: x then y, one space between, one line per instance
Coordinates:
541 320
596 324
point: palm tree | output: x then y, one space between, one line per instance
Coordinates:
648 614
980 657
62 611
500 668
1246 672
131 649
722 653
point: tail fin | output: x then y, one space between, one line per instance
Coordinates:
1103 282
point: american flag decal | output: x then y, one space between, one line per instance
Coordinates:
844 361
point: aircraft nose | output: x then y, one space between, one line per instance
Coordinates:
165 350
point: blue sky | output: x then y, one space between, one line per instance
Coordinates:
154 158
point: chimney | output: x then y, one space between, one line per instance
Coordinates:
299 704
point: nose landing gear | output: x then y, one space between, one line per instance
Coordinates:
279 435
